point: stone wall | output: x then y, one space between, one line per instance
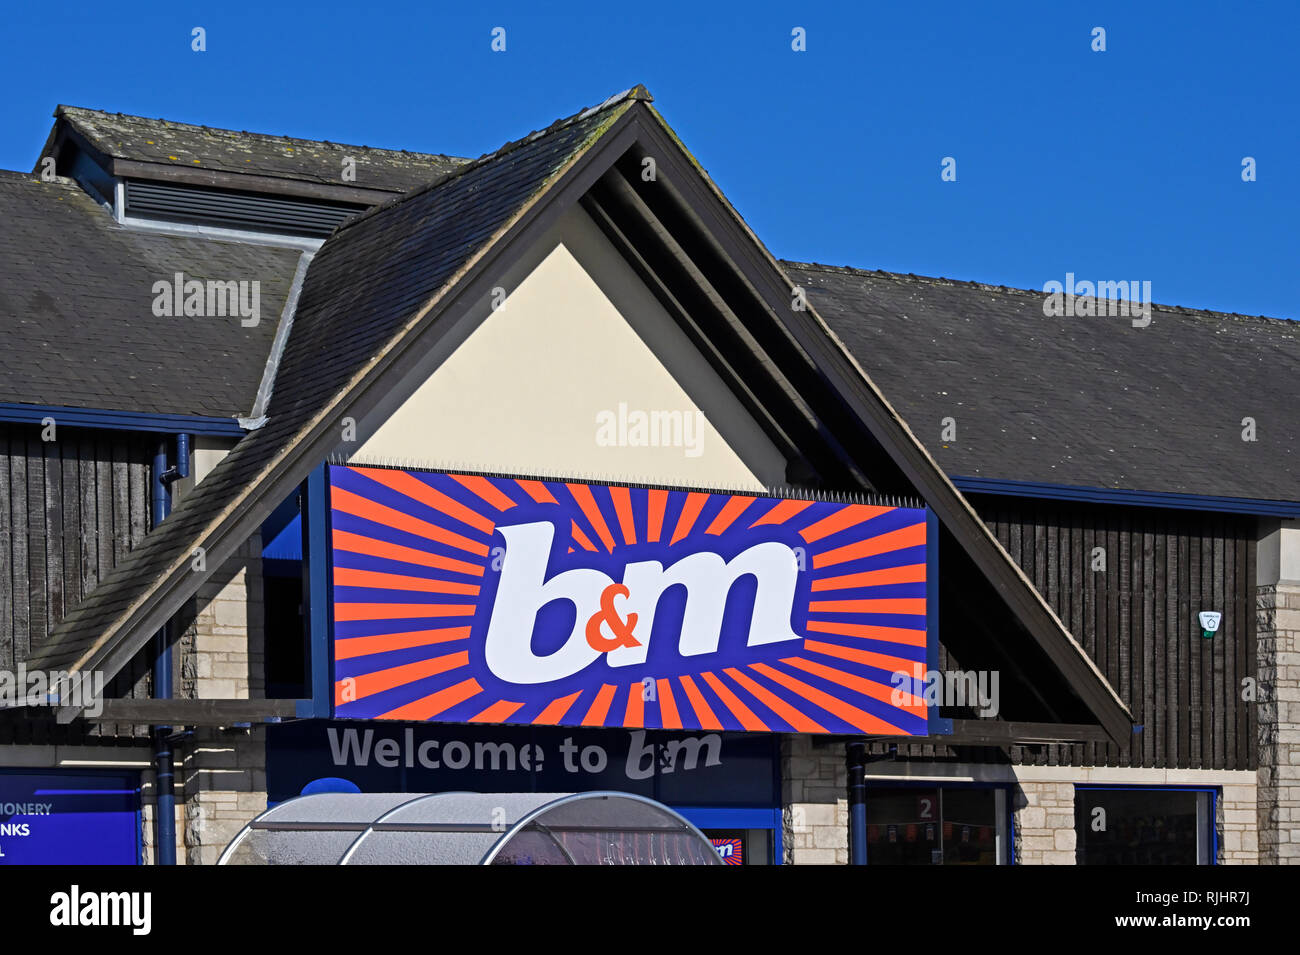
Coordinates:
222 777
1044 823
221 771
815 781
1238 826
1278 635
814 785
222 643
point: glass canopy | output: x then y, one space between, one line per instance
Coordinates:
597 828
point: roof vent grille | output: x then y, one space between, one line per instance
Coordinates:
196 205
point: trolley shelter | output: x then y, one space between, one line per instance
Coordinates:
598 828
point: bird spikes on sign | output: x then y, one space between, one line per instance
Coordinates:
588 477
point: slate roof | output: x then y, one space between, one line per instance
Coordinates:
121 136
1091 402
363 292
76 307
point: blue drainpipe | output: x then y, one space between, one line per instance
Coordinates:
855 756
165 811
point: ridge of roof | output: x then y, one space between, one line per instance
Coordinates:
73 112
938 280
636 93
17 175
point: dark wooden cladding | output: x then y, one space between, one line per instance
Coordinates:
70 509
1137 619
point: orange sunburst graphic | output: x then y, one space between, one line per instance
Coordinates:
420 572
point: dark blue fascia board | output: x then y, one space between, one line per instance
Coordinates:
121 420
935 725
1105 495
317 601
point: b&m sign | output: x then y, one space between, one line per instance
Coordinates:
468 599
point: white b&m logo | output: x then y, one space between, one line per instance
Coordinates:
626 611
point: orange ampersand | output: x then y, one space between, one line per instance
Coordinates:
622 629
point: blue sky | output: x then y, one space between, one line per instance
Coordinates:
1117 165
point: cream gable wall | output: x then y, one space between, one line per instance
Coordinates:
522 387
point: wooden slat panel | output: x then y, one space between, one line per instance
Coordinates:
1181 682
1157 728
104 503
117 523
1030 540
1145 700
54 596
1138 621
1235 638
1040 575
1075 561
141 516
71 544
140 476
69 509
20 591
1056 587
1014 531
1110 632
1218 754
36 541
1124 621
1247 593
93 567
1196 661
1245 653
1246 660
1089 585
1206 648
119 478
90 571
7 660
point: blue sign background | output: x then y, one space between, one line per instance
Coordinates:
94 818
745 775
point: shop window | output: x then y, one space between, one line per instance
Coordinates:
940 825
742 846
1144 826
741 836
